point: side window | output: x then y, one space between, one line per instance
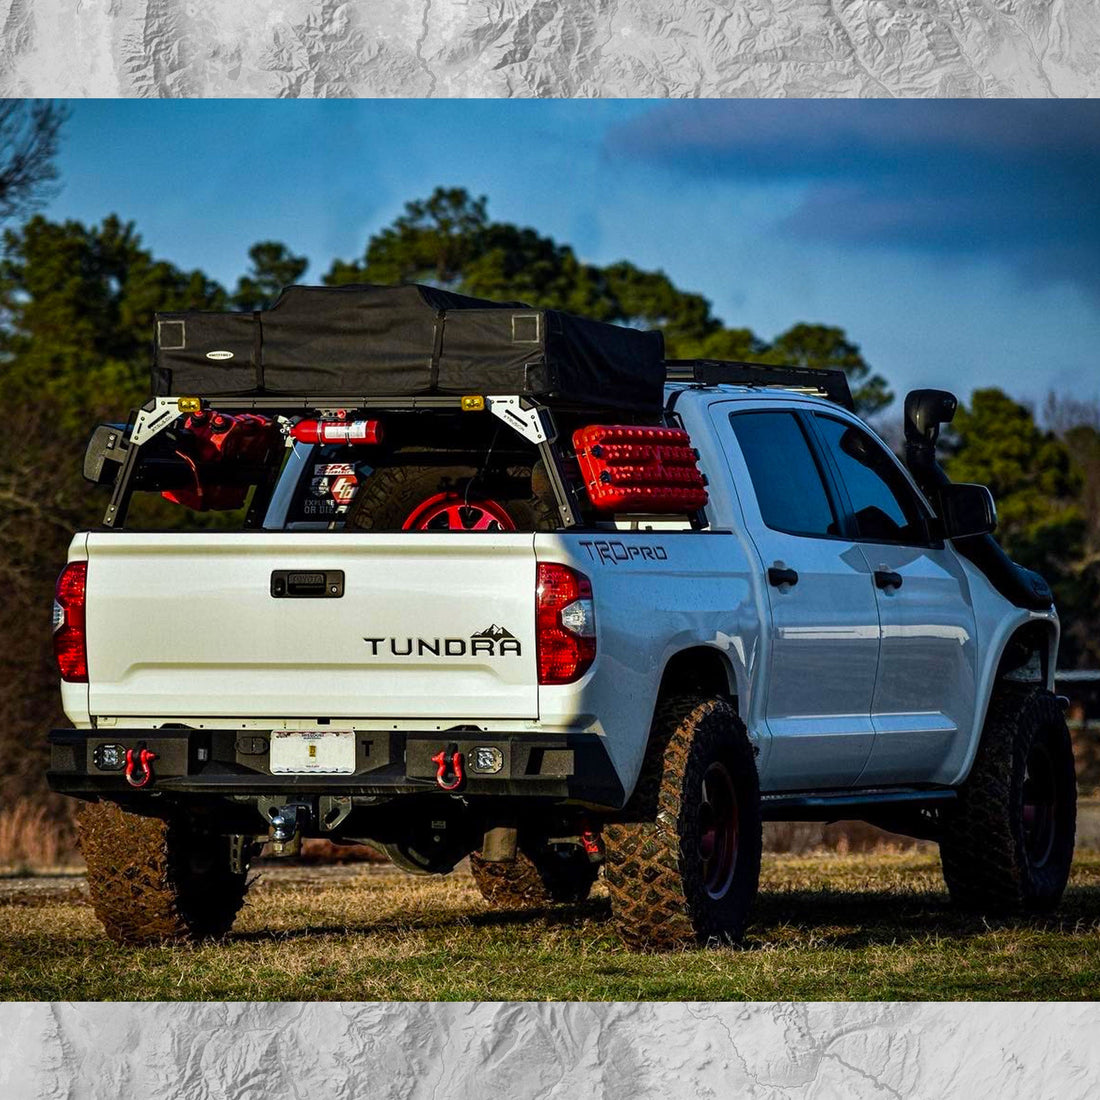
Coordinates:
785 476
885 507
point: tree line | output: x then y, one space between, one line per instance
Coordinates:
77 301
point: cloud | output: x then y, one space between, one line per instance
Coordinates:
1011 180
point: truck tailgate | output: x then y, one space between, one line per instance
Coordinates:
429 626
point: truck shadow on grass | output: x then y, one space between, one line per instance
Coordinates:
596 912
782 918
857 920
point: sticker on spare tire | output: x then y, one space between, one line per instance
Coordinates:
331 489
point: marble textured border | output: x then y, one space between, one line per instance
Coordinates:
549 47
472 1051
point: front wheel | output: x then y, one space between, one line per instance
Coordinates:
1007 845
688 871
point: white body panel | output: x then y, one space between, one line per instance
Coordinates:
701 593
823 642
995 621
839 685
185 625
939 648
926 687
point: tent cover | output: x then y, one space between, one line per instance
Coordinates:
368 341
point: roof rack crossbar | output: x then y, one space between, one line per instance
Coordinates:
832 384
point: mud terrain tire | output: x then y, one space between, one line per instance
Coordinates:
688 871
153 881
390 494
551 878
1007 844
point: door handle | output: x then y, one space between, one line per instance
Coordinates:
777 576
886 579
299 584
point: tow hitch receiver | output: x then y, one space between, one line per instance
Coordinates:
139 768
449 774
286 825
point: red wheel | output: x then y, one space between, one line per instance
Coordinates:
1041 809
452 512
718 829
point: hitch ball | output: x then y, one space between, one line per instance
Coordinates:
286 832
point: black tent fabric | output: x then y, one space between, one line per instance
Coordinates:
382 341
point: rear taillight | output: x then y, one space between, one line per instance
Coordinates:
565 624
69 642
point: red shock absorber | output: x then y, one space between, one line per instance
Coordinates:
592 842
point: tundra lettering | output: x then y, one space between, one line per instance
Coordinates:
447 647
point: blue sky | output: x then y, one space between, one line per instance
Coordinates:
958 242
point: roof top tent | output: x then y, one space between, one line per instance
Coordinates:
365 348
369 342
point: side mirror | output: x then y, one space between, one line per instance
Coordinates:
967 510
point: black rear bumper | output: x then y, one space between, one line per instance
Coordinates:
571 768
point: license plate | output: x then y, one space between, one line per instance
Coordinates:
314 752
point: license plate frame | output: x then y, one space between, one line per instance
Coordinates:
312 752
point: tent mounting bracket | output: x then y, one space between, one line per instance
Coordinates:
151 422
530 421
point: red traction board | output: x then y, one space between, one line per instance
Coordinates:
647 470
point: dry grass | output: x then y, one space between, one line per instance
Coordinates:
31 839
827 926
804 837
1086 753
316 850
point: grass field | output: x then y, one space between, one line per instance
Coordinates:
827 927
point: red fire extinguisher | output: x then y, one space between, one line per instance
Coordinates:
337 431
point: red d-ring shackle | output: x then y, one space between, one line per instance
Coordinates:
143 764
449 760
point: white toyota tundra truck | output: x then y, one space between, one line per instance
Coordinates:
612 615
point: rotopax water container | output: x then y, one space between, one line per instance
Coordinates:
639 469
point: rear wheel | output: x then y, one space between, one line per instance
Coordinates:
688 871
152 881
548 877
1007 845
